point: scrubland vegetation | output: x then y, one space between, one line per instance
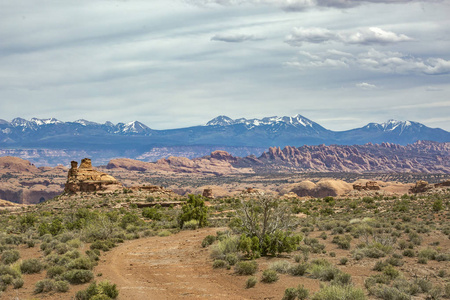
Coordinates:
400 242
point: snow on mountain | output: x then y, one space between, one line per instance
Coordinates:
296 121
85 122
48 121
134 127
393 125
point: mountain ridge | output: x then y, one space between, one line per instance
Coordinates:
240 137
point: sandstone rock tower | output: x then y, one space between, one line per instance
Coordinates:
86 179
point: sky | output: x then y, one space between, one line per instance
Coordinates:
180 63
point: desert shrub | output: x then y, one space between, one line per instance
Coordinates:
442 257
194 209
389 293
324 272
191 224
102 290
343 242
409 253
44 286
337 292
105 245
251 282
231 258
17 283
81 263
151 213
219 263
61 286
395 261
447 290
427 253
55 271
224 246
130 219
78 276
298 269
10 256
107 288
437 205
422 260
208 240
425 285
343 261
281 266
290 294
62 248
342 278
391 272
269 276
31 266
302 292
246 267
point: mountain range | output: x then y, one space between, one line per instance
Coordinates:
51 141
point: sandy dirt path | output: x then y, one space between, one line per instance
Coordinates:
177 267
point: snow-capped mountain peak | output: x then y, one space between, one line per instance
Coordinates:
220 121
85 122
48 121
134 127
297 121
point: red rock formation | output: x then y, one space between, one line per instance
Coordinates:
86 179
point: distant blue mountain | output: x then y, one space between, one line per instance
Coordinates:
134 139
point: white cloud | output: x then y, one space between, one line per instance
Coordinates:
366 86
235 37
369 36
373 60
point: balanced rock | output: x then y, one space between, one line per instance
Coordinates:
86 179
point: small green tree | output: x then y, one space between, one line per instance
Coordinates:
266 221
194 209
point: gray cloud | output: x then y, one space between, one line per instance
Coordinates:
235 37
369 36
301 5
373 60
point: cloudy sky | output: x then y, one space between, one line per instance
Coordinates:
179 63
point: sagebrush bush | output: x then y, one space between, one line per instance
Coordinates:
251 282
44 286
298 269
208 240
78 276
102 290
220 263
82 263
246 267
31 266
281 266
10 256
269 276
290 294
337 292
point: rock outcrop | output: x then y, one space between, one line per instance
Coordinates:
370 186
86 179
421 186
208 193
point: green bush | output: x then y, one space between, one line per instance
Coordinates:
78 276
302 292
290 294
31 266
17 283
191 224
219 263
10 256
194 209
55 271
151 213
246 267
337 292
298 269
269 276
389 293
231 258
81 263
102 290
208 240
281 266
44 286
61 286
251 282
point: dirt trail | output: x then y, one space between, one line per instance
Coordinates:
177 267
